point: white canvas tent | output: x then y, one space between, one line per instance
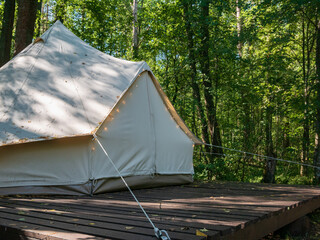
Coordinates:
57 93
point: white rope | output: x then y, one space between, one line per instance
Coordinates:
262 156
160 234
213 153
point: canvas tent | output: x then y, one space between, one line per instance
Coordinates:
57 93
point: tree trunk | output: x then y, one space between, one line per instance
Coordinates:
270 168
239 27
306 126
135 42
27 14
247 123
286 138
193 74
194 84
316 159
6 31
213 125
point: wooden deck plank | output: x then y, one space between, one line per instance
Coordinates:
261 228
87 219
119 205
221 210
210 214
78 224
73 227
173 223
217 224
12 229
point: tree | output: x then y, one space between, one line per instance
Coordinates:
241 73
135 40
317 140
193 72
6 31
208 83
60 10
27 14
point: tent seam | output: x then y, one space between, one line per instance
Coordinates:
152 122
76 88
137 74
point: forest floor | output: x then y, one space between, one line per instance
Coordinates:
313 232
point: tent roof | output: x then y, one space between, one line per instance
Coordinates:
61 87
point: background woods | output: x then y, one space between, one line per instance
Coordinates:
242 74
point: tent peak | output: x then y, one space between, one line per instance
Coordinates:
63 87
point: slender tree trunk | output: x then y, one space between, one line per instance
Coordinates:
316 159
6 31
193 73
194 84
27 14
306 51
135 40
239 27
176 82
286 139
213 125
47 18
246 109
270 168
306 126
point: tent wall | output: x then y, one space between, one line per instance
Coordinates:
54 162
140 135
74 189
142 138
138 182
174 149
127 136
100 186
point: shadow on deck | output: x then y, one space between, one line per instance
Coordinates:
216 210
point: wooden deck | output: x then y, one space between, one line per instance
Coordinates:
218 210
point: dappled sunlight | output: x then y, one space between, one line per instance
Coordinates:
59 88
214 208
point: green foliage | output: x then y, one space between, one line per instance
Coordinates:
301 180
266 72
1 12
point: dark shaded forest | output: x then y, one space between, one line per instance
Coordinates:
242 74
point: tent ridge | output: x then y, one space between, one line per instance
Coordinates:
82 103
137 74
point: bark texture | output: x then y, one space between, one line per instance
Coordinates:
6 31
27 14
193 73
270 168
210 105
316 159
135 43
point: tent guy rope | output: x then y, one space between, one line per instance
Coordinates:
258 155
160 234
